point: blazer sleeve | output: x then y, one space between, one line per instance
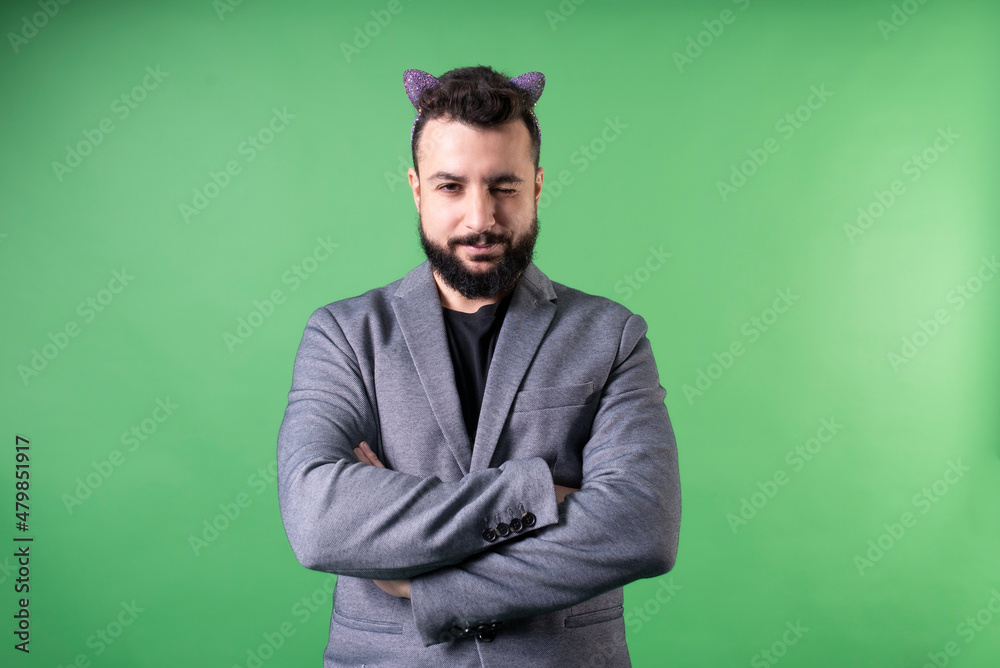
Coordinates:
621 526
349 518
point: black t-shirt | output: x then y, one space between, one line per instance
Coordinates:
472 337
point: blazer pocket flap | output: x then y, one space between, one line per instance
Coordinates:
594 617
366 624
553 397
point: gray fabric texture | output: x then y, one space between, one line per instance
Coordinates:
572 397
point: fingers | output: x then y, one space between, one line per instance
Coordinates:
362 454
397 588
366 456
562 492
372 457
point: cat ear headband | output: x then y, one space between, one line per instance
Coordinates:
417 81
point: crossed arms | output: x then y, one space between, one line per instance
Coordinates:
401 588
352 517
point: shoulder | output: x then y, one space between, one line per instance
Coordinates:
351 312
594 320
583 306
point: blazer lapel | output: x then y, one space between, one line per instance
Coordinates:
529 315
418 311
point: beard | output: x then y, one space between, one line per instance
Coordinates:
481 283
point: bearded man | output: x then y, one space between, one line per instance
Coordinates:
482 455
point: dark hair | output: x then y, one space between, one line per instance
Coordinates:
480 97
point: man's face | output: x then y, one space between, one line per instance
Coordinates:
477 204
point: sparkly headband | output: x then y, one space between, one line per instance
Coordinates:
417 81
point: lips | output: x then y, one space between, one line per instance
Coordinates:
480 249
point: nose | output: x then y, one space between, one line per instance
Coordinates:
479 215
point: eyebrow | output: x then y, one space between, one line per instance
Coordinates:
493 180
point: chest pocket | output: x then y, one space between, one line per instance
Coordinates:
553 423
543 398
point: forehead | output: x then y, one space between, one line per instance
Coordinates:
452 144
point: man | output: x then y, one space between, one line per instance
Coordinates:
482 455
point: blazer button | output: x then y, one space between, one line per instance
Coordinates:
487 635
515 525
503 530
528 519
490 535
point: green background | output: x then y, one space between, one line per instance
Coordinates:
333 172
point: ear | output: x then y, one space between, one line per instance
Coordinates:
411 175
539 177
532 82
416 82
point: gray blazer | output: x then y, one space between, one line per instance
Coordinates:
500 574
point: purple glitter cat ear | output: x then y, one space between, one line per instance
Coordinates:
417 81
532 82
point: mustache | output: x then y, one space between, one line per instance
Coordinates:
483 239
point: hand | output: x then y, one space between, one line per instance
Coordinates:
366 456
563 492
397 588
401 588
